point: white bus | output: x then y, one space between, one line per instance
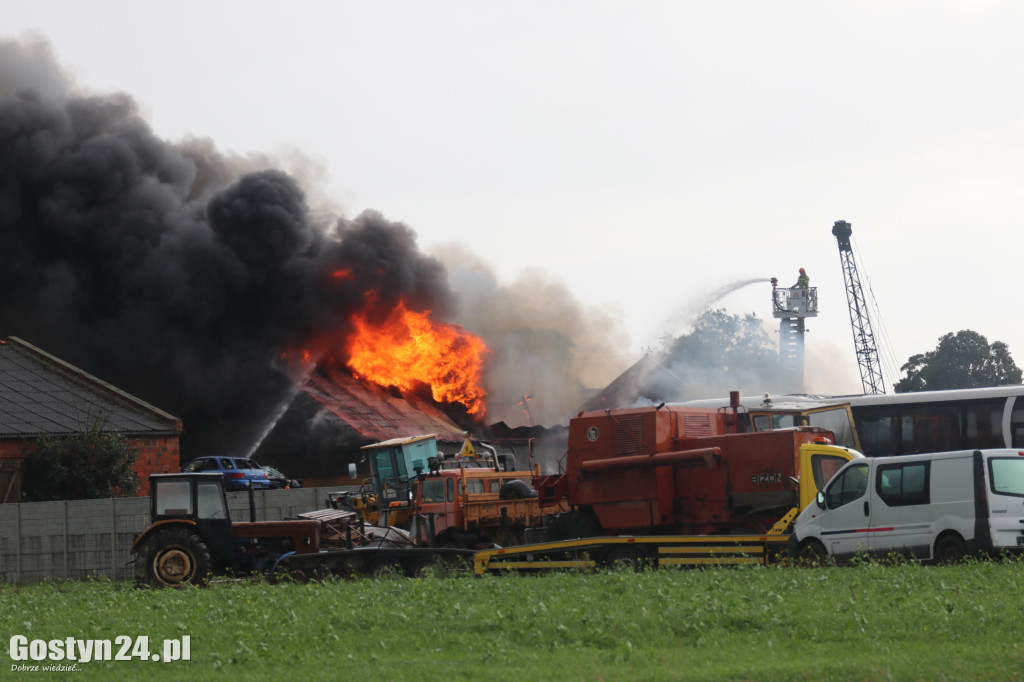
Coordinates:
898 423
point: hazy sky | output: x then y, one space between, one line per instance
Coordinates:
648 153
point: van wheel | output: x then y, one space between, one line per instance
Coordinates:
811 553
950 549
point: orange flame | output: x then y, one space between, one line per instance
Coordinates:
409 348
343 274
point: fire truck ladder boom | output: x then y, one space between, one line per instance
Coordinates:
863 338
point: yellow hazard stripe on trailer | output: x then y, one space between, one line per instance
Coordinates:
667 550
695 555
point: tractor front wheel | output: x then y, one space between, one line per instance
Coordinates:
174 557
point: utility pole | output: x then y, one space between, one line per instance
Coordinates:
863 338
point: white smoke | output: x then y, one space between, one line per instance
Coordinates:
546 344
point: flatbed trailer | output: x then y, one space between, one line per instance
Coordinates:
639 551
377 562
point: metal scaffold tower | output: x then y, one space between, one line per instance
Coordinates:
863 338
792 306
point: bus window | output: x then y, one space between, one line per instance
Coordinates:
983 424
877 432
1017 425
930 428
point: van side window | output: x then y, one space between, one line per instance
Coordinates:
848 486
1007 475
903 484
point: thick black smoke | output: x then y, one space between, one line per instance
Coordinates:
171 270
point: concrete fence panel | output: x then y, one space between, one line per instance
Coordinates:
79 539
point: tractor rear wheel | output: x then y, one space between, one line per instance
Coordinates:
173 557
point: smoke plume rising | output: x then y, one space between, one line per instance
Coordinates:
549 350
176 272
194 278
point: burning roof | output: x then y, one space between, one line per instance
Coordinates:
376 413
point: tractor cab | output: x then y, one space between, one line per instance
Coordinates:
192 496
196 500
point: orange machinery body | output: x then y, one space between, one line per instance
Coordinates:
472 500
677 471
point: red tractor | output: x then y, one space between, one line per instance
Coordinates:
192 538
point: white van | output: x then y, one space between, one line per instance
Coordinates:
933 507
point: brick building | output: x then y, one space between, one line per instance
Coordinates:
40 394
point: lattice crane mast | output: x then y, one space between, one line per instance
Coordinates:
863 338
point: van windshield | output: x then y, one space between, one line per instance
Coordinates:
1007 474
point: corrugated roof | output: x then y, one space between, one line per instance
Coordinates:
40 394
375 413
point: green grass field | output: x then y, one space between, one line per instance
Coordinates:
868 622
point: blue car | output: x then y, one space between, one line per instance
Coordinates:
239 472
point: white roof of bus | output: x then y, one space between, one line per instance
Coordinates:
806 401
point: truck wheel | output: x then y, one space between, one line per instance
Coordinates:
626 559
174 557
950 549
811 553
427 567
516 490
386 568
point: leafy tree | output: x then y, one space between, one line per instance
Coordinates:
961 360
723 352
82 466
